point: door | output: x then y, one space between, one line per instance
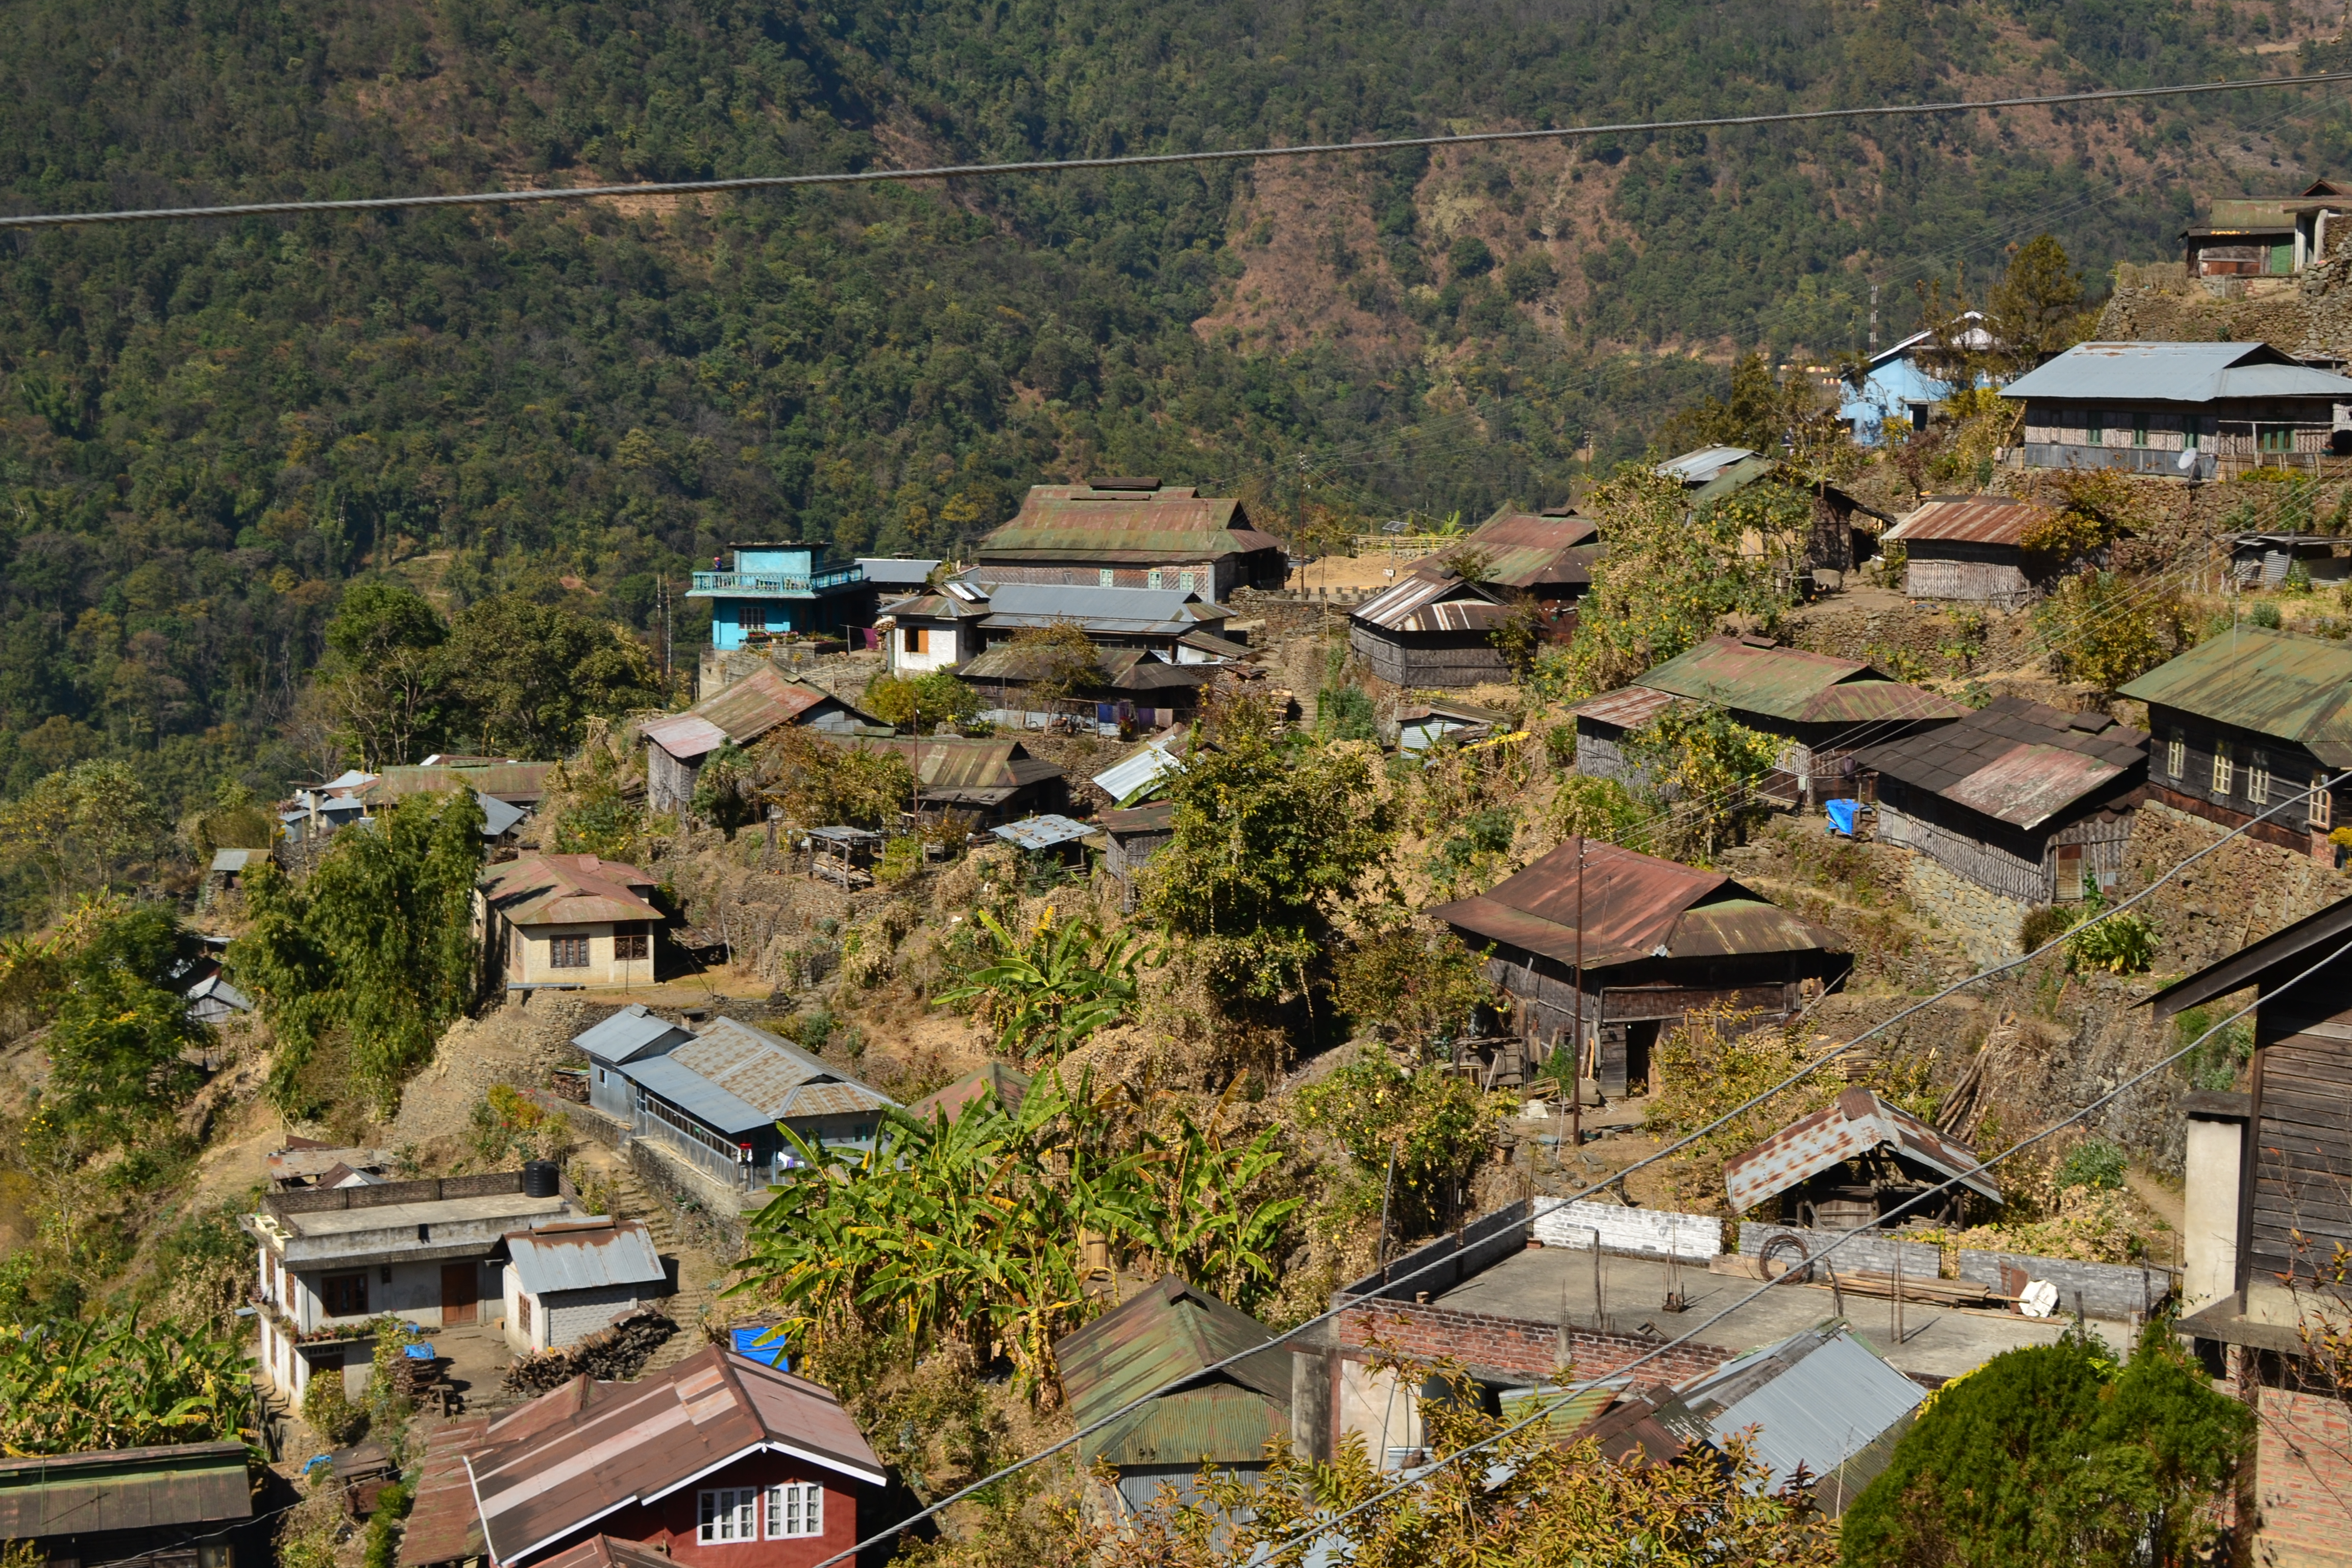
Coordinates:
2070 872
461 1288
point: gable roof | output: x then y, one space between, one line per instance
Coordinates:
1971 519
1077 522
1822 1401
1528 549
775 1078
760 702
1635 906
2273 683
949 767
684 736
123 1488
519 783
604 1551
1007 1087
627 1033
2274 960
585 1255
1857 1123
1758 676
1432 603
568 890
574 1455
1168 1334
1023 665
2014 760
2176 373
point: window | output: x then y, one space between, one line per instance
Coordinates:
2319 810
515 949
2139 429
631 939
567 953
1106 577
522 1321
915 639
2176 757
2275 438
344 1294
752 617
729 1514
796 1507
2258 781
2224 770
2095 421
2188 435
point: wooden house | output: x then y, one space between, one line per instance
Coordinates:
993 778
2181 410
1543 558
2020 799
177 1505
1822 709
1659 940
1434 630
1971 549
742 714
2245 724
1133 534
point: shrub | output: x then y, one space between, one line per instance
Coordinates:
2120 944
328 1411
1531 276
2044 922
1469 257
1436 1125
2215 1065
2266 615
2095 1163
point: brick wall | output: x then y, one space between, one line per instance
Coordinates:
1513 1345
2303 1480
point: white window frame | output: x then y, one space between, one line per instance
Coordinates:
726 1516
2176 757
2258 781
2225 769
795 1510
2319 810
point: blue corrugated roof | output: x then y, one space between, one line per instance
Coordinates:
698 1096
625 1033
2176 373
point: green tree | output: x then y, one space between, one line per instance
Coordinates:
82 827
1435 1125
376 946
1704 767
1422 984
2036 309
825 783
1065 659
2107 628
122 1033
920 704
385 673
2056 1454
529 676
1270 839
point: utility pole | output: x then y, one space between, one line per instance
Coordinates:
1576 1072
1873 321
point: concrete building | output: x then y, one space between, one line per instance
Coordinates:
776 590
563 1282
547 919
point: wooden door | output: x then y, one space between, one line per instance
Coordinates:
461 1288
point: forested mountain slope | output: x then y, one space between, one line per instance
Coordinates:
209 427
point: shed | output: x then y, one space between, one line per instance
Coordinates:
564 1282
213 1000
1660 940
1968 547
1145 771
629 1035
743 713
994 778
1824 1403
1420 725
1136 834
1040 833
1171 1332
2263 560
1849 1163
1823 709
2184 410
1432 631
183 1505
2246 722
2020 799
1544 558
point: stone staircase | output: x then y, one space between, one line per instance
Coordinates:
697 1297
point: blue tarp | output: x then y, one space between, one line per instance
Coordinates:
748 1346
1843 813
417 1352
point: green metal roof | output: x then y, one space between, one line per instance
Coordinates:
1760 677
2273 683
1168 1334
1072 522
123 1488
1224 1422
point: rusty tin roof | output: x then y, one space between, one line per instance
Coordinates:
1433 604
684 735
1525 549
2295 687
952 765
1971 519
1635 906
1007 1086
1166 1333
568 890
519 783
123 1488
1075 523
1628 707
1859 1122
569 1456
604 1551
1755 675
586 1254
758 702
2018 760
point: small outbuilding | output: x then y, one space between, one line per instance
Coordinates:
176 1505
564 1282
677 744
1432 631
1971 549
1853 1164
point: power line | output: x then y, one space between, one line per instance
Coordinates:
1645 1162
1146 159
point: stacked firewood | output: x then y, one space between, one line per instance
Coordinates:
614 1354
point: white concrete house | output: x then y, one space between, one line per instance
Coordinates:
563 1282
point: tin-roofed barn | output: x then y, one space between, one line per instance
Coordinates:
1824 708
1171 1332
2246 720
1435 630
718 1462
1132 533
180 1505
1544 558
564 1282
719 1100
1968 547
677 744
2020 799
1853 1162
1130 685
2183 410
1660 940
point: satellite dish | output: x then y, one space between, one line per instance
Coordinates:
2188 462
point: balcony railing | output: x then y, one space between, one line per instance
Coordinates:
792 582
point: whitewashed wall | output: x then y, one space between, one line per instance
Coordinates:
1645 1233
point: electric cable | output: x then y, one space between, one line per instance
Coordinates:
1146 159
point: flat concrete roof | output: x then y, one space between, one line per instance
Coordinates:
1538 1285
440 1211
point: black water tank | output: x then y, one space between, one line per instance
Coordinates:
540 1179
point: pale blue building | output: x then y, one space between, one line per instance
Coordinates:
1897 385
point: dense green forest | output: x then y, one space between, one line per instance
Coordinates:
209 427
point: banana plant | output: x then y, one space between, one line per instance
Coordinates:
1047 990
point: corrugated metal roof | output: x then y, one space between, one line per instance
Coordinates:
522 782
1159 816
1819 1400
771 1073
2010 759
2028 784
1791 684
896 571
1433 604
950 764
568 890
699 1098
1635 906
684 735
443 1526
1167 1332
1971 519
587 1256
1147 765
2273 683
1012 664
1859 1122
2175 372
604 1551
758 702
1706 465
1044 602
628 1033
1007 1087
123 1488
1072 522
234 859
571 1455
1223 1423
1043 832
1628 707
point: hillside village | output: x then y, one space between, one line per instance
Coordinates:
1679 986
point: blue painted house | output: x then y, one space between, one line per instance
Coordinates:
776 589
1898 384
